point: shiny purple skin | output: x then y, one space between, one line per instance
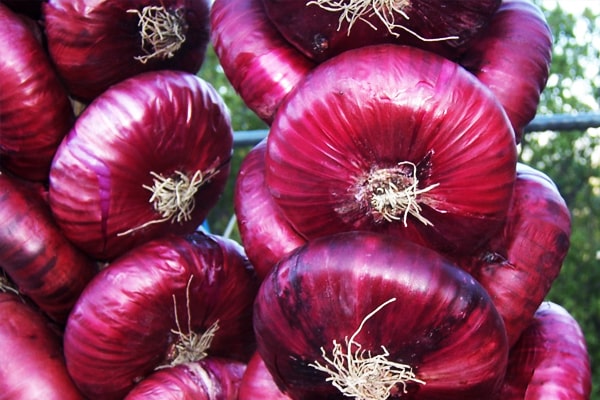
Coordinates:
209 379
518 266
377 106
257 382
45 266
94 42
35 111
513 58
317 33
159 121
261 66
443 324
33 366
550 360
264 232
121 328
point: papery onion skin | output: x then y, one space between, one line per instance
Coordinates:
34 106
32 365
121 328
159 121
264 232
318 34
442 324
376 107
550 360
513 59
209 379
519 265
94 42
257 382
35 254
260 65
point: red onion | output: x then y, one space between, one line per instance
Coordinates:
32 365
321 29
393 139
260 65
35 254
265 233
550 360
257 382
519 264
169 301
393 315
97 43
208 379
147 157
34 107
513 59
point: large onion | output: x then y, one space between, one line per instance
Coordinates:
97 43
149 156
395 317
35 112
394 139
169 301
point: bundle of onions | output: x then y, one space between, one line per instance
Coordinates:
365 315
264 232
148 157
550 360
208 379
33 365
170 301
45 266
513 59
261 66
373 139
321 29
519 265
97 43
257 382
35 111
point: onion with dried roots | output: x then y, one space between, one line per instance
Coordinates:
148 157
393 139
365 315
97 43
170 301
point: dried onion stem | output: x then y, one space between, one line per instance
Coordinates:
357 373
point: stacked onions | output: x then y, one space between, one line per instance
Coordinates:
386 211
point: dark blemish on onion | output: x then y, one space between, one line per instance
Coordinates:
320 43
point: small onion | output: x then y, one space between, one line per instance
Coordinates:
35 112
97 43
393 139
257 382
169 301
362 312
148 157
261 66
265 233
550 360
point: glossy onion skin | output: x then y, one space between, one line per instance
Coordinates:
257 382
209 379
513 58
120 330
550 360
377 106
317 33
35 254
93 42
261 66
519 265
32 365
159 121
264 232
34 107
443 323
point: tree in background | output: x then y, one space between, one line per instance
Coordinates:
571 159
